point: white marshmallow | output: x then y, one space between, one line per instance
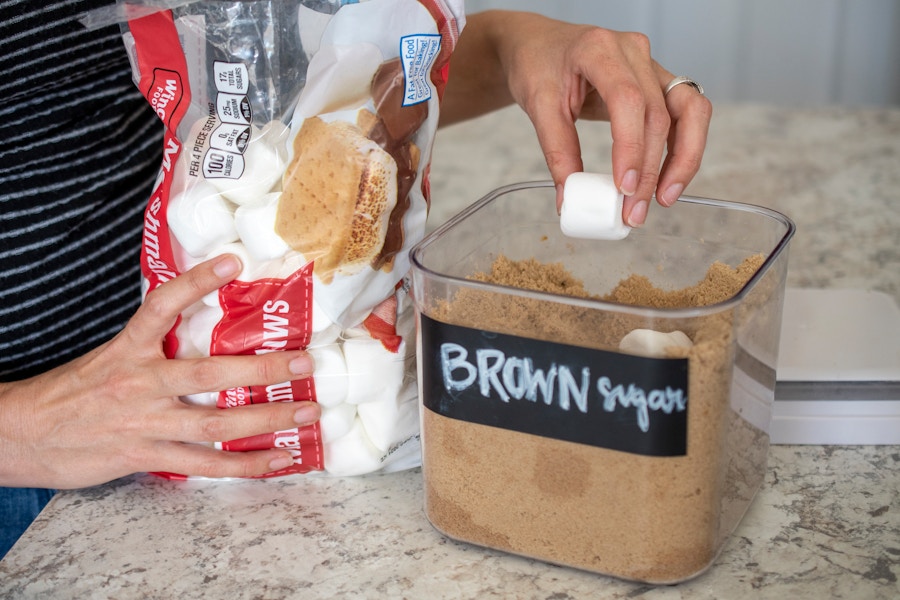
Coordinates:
251 269
324 336
592 208
337 421
264 164
200 327
330 374
201 399
392 418
352 454
647 342
373 372
186 346
201 219
255 224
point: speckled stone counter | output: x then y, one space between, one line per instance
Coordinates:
826 523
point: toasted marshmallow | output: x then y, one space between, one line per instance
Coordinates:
650 343
592 208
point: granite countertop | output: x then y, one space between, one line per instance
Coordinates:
826 523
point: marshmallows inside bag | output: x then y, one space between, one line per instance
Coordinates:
298 137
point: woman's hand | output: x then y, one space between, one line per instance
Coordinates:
560 72
116 411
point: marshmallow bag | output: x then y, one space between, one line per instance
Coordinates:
298 137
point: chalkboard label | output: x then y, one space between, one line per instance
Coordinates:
605 399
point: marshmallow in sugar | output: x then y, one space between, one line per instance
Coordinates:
654 344
592 208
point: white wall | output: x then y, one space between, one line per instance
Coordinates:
790 52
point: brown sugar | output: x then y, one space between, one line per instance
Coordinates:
646 518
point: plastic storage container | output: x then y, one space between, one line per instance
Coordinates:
541 437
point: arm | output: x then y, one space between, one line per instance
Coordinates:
560 72
116 411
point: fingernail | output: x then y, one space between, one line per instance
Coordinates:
629 183
672 193
559 197
302 365
227 266
282 462
306 414
638 214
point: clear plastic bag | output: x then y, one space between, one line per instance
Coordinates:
299 136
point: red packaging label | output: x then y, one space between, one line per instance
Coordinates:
270 315
261 316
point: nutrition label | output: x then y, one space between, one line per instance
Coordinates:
417 52
229 140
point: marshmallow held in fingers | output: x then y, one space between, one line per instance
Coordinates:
255 224
592 208
654 344
201 219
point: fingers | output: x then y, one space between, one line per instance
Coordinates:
161 307
639 121
203 424
203 461
206 424
188 376
558 140
617 68
691 114
174 420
